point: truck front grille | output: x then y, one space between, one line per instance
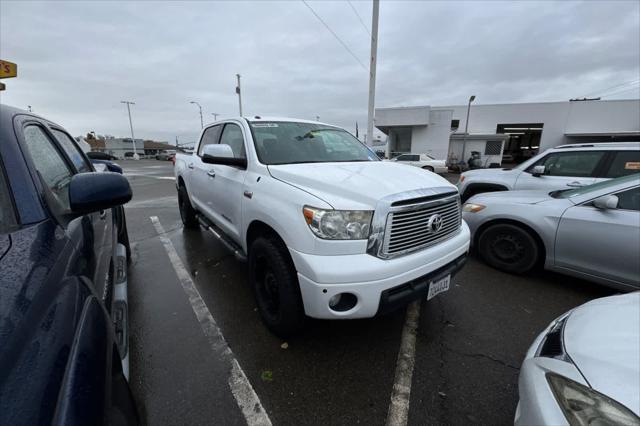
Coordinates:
414 226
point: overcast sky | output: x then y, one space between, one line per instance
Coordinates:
77 60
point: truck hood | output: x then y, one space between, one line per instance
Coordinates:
356 185
602 337
512 197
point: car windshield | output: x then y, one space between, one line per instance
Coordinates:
570 193
279 142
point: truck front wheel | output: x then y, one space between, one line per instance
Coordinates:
275 282
187 213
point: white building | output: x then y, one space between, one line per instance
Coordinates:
515 131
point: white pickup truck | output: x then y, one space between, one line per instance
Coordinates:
329 230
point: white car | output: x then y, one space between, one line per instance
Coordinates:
566 166
584 369
329 230
423 161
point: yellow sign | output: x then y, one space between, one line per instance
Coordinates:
8 69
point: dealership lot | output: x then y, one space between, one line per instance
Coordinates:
469 346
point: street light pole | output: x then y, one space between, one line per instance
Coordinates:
215 116
466 126
372 70
133 138
200 108
239 92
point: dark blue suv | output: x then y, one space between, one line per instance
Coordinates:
63 281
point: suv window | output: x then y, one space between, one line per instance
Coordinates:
210 136
50 165
403 157
624 163
72 150
7 216
629 199
573 164
232 136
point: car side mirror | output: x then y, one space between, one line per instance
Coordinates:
538 171
92 192
606 202
222 154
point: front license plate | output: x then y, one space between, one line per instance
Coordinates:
437 287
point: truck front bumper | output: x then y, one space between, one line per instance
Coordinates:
379 285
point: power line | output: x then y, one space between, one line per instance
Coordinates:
336 36
612 87
359 18
622 91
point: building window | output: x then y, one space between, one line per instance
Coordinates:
455 124
493 148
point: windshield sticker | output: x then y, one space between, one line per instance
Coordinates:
264 125
632 165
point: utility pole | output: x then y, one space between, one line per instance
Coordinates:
239 94
466 126
372 70
133 138
177 144
200 108
215 116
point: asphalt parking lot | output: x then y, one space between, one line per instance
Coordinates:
470 340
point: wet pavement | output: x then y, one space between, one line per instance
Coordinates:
470 340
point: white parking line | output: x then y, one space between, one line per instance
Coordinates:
241 388
398 413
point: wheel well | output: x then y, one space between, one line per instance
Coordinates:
525 227
180 182
477 188
257 229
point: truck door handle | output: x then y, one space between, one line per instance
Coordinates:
190 165
211 173
575 184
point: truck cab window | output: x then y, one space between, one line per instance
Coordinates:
210 136
72 151
232 136
49 163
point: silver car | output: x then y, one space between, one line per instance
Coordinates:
584 369
592 232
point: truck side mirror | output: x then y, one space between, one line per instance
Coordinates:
92 192
538 171
606 202
222 154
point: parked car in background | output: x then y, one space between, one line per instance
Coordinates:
591 232
329 230
97 155
64 353
584 369
165 155
423 161
567 166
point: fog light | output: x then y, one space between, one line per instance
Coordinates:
342 302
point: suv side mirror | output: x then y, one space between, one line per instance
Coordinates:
222 154
606 202
92 192
538 171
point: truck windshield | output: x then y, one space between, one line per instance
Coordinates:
294 142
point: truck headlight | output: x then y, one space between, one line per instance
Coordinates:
584 406
472 207
338 224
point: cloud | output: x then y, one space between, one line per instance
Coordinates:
78 60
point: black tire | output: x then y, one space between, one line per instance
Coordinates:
276 286
187 213
509 248
123 233
429 168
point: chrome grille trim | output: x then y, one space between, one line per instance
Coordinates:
402 229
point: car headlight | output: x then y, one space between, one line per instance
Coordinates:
472 207
338 224
584 406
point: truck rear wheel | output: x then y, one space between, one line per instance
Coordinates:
187 213
275 282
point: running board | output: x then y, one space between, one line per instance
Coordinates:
226 241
